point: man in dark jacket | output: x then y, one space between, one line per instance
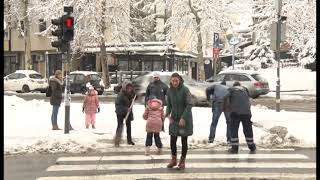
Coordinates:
240 105
218 93
56 86
122 103
157 89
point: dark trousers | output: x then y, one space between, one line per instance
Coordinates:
173 145
157 139
245 119
120 118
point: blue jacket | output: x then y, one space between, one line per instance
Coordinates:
217 92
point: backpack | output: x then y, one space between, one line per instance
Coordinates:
48 91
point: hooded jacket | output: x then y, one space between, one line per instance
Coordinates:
91 102
57 90
179 106
124 100
154 115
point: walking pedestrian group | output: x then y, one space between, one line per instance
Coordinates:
234 102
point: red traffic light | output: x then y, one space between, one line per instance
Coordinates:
69 22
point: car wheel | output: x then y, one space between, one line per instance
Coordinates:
255 96
25 89
100 92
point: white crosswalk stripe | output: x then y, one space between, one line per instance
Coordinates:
201 165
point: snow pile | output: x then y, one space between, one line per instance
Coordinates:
27 129
308 53
290 78
259 54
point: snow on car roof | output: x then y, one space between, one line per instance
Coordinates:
239 71
27 71
166 73
84 72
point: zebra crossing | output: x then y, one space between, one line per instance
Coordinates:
200 164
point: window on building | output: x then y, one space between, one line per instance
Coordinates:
123 65
6 34
35 62
158 65
42 25
10 64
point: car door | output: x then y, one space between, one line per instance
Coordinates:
246 82
8 81
20 81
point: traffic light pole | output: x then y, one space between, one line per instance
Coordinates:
278 7
67 97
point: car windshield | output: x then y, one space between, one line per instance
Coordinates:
257 77
35 76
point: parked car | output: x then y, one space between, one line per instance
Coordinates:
252 80
25 81
197 89
78 82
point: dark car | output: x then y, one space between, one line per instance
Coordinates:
78 80
197 89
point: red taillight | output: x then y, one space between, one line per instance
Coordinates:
258 84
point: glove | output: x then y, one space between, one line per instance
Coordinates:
98 109
83 109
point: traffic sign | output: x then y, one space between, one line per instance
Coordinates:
216 40
216 52
234 41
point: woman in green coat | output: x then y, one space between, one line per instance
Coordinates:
179 113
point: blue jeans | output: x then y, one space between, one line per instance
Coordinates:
54 115
217 110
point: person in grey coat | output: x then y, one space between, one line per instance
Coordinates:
218 93
240 105
56 86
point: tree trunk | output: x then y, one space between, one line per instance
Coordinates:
199 43
103 55
75 62
27 44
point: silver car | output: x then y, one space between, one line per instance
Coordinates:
253 81
197 89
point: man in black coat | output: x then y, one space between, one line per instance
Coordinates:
157 89
122 103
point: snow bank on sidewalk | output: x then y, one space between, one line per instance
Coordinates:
27 128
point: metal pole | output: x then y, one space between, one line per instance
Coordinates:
46 58
233 54
278 55
67 97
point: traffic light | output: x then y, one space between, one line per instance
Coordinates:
58 32
68 29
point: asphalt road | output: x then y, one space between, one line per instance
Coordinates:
305 104
33 166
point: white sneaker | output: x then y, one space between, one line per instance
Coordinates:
147 153
159 151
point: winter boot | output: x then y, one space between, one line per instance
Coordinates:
159 151
173 162
87 126
55 127
147 153
181 164
93 127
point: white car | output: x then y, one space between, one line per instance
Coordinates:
25 81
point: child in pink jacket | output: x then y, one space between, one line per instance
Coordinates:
90 107
154 115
